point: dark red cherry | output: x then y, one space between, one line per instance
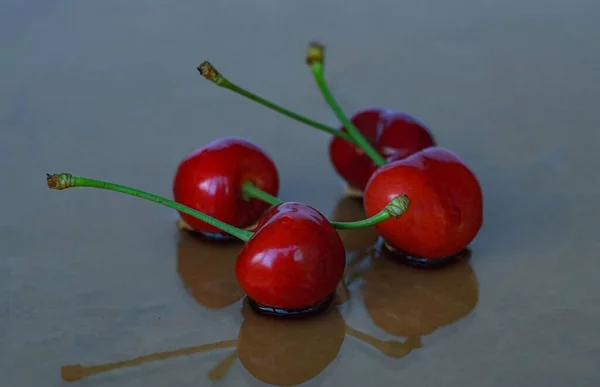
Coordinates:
210 180
394 135
294 260
446 203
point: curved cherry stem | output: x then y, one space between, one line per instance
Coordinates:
66 180
394 209
315 59
209 72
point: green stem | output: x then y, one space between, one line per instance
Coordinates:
315 59
394 209
250 191
373 220
209 72
66 180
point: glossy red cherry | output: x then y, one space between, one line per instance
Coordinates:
294 260
210 180
393 134
446 208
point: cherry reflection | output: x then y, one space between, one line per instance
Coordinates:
281 352
412 302
207 269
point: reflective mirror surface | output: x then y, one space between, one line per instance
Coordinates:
101 289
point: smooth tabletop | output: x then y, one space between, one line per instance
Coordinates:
109 90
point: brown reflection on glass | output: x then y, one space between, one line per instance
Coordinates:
412 302
289 352
349 209
280 352
424 262
207 269
404 301
75 372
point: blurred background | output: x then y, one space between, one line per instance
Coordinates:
109 90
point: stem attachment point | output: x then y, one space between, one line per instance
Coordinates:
397 206
251 191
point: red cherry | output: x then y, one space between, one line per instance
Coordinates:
446 204
210 180
393 134
294 260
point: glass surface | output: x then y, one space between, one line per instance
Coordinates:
109 90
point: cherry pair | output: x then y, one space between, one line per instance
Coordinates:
369 139
294 259
381 154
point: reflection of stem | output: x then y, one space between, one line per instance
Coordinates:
395 349
74 372
219 370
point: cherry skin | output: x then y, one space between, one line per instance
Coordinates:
294 260
395 135
210 180
446 206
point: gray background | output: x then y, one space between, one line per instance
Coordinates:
108 89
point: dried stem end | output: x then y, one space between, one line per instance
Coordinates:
59 181
208 71
315 53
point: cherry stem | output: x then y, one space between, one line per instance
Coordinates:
250 191
315 59
209 72
394 209
66 180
